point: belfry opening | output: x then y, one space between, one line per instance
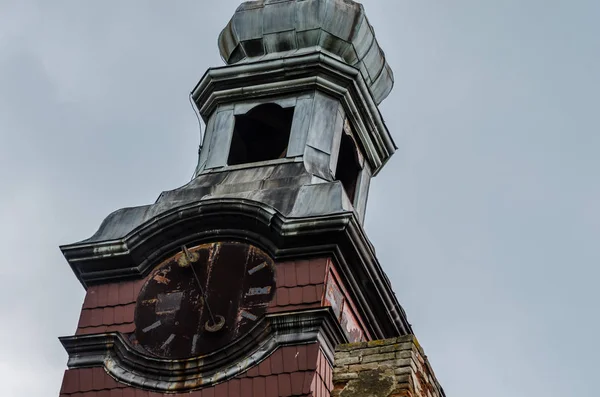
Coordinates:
262 134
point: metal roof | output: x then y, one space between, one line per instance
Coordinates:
268 29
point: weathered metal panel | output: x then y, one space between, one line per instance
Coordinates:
380 88
374 62
245 107
206 141
300 126
227 39
350 326
280 42
254 48
364 38
341 18
320 134
362 192
337 140
310 14
278 17
333 44
221 139
249 24
321 198
308 38
317 162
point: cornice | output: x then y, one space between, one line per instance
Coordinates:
338 235
129 366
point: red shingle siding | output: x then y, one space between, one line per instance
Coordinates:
300 285
109 308
290 371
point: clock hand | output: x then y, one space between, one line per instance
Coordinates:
189 259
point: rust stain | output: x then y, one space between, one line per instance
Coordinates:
162 280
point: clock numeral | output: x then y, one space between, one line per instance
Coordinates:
257 268
168 341
151 327
259 291
195 342
248 315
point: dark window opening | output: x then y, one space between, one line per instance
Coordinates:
261 134
348 168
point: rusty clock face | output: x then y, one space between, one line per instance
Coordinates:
203 298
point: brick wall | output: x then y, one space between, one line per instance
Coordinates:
384 368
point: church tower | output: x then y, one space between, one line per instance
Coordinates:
244 281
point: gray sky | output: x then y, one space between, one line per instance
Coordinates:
487 218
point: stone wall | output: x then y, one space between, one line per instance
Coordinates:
394 367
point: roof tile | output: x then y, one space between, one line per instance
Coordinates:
86 379
290 274
234 388
246 387
317 270
110 383
271 388
276 360
70 382
85 318
297 382
280 275
258 387
283 296
302 357
312 355
290 361
308 380
137 287
309 294
264 368
108 315
116 393
102 295
302 272
320 289
285 385
123 328
252 372
128 392
221 390
98 375
126 294
113 294
295 295
91 297
96 316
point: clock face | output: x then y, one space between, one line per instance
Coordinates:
203 298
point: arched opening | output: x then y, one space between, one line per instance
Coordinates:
348 167
261 134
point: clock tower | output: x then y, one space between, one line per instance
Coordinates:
243 281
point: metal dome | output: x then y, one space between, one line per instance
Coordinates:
267 29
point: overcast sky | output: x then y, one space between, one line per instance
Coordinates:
487 219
